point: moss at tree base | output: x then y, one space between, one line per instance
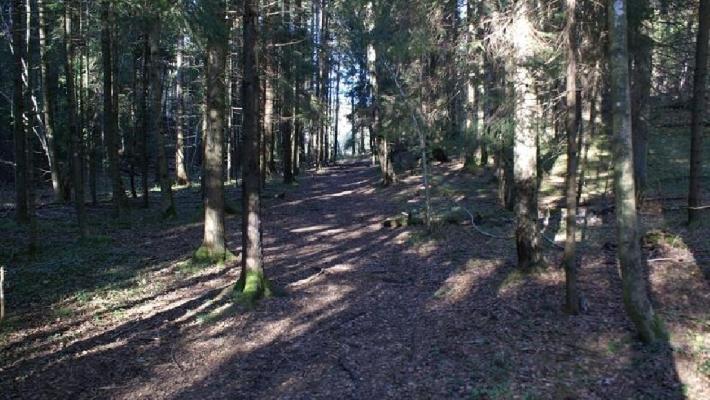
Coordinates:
208 256
251 287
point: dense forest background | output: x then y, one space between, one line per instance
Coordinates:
165 165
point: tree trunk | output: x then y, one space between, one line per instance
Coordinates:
382 146
641 51
145 126
525 152
182 177
110 122
74 129
696 133
167 204
48 102
252 283
268 121
19 47
337 113
214 246
638 306
569 259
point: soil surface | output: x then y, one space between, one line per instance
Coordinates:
368 312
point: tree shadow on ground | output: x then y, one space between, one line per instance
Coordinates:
370 312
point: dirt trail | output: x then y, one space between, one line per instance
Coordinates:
370 312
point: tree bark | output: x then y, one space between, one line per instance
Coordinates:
638 306
696 133
110 122
640 46
19 48
214 246
74 129
145 125
569 259
252 283
48 102
337 113
268 120
525 151
182 177
167 204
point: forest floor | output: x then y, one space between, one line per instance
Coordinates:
368 312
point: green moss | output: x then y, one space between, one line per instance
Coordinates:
251 287
206 256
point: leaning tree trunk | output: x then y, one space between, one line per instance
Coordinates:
110 122
48 101
569 259
74 130
167 203
252 283
525 152
214 246
638 306
697 125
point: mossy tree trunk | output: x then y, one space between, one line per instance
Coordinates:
252 283
214 245
636 300
697 125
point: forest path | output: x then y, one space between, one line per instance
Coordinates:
369 312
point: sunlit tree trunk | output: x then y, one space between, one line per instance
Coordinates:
525 148
636 301
74 129
180 163
697 124
214 245
569 259
288 96
337 113
252 283
167 204
268 121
